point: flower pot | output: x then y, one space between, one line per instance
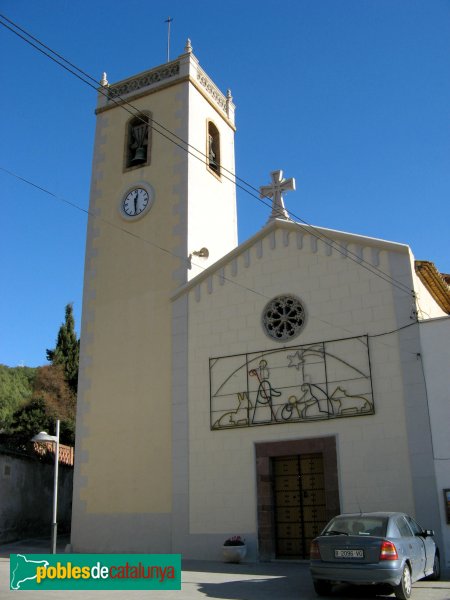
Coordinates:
234 554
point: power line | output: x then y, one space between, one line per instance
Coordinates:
119 227
120 101
183 258
136 236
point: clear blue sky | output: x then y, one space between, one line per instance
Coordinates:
350 97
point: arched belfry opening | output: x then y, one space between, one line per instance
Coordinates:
213 150
138 141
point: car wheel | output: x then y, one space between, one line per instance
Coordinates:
436 574
403 589
322 588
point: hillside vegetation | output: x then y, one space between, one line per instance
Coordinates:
31 399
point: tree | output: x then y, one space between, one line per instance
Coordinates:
67 350
16 389
52 399
29 420
32 399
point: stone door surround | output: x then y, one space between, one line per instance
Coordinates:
264 484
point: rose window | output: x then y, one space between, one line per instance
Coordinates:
283 318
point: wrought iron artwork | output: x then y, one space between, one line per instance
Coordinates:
327 380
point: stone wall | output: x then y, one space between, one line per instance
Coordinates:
26 496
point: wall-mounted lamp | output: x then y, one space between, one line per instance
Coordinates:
202 253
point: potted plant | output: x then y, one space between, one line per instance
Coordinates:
234 549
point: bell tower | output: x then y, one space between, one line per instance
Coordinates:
162 208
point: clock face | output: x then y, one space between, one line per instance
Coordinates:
135 202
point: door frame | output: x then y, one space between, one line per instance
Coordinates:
264 483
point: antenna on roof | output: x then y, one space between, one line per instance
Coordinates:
168 21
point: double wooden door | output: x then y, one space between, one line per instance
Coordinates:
299 501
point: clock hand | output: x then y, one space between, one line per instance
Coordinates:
135 203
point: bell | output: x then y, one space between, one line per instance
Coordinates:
140 156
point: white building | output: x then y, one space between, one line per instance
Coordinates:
254 389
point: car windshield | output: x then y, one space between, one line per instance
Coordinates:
356 525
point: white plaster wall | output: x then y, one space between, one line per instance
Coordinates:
212 199
342 300
435 336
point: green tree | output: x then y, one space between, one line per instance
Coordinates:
52 399
16 389
67 350
30 420
32 399
59 400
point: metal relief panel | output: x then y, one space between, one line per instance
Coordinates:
303 383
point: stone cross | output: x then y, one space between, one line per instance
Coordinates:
275 191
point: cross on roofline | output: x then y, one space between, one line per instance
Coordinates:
275 191
168 21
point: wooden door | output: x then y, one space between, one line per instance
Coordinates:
299 495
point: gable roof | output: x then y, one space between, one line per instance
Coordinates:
335 241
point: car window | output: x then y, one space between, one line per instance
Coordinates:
414 526
356 525
403 527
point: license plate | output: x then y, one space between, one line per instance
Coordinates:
349 554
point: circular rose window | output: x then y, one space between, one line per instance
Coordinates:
283 318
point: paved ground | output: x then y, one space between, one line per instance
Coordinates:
200 580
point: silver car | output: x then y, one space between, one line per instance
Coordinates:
373 548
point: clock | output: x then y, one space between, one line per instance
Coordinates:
136 202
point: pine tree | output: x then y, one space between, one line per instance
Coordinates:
67 351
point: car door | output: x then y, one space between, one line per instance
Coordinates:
429 546
412 546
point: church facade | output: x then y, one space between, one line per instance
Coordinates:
255 389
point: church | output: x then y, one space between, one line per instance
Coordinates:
254 389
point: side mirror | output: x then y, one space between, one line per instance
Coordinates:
426 533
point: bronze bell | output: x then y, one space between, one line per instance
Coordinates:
140 155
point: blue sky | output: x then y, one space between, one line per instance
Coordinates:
350 97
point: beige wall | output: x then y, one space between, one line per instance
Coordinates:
126 410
